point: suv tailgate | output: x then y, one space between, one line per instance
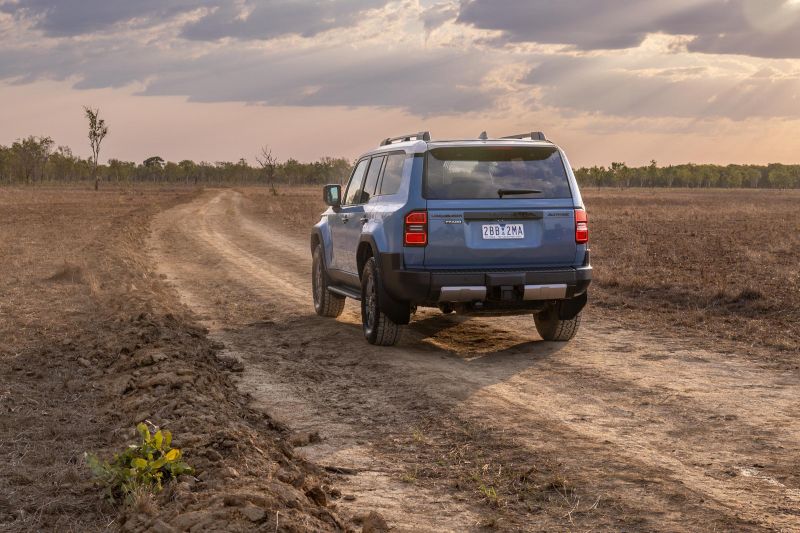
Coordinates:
503 233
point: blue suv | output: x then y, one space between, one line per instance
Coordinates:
480 226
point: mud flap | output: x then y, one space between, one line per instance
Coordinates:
397 311
568 309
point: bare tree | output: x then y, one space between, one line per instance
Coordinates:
97 132
268 163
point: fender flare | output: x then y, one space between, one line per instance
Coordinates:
316 233
318 238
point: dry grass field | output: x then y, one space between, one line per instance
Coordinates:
191 309
721 264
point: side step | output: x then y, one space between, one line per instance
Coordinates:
345 291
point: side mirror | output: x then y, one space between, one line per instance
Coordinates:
332 195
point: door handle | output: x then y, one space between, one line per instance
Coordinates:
345 219
363 220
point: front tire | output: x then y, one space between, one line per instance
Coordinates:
379 329
552 328
325 302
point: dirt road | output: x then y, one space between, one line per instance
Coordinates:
473 423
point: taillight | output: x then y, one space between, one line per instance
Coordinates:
415 232
581 227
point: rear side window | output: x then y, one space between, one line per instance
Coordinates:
392 174
354 188
483 172
372 179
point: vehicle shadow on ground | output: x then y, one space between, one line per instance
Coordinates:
465 338
494 353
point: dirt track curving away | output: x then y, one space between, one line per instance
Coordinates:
473 423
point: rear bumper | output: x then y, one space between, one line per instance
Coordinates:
424 287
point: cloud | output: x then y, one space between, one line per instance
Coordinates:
440 82
438 14
595 85
320 53
760 28
80 17
435 82
276 18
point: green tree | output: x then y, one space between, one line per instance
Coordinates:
121 170
29 157
153 166
620 174
62 165
753 176
649 176
781 177
5 165
189 170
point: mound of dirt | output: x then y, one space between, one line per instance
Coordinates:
83 365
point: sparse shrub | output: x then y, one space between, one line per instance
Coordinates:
141 467
488 490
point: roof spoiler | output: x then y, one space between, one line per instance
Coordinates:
420 136
534 136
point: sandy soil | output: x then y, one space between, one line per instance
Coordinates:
473 423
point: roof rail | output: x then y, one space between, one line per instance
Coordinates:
420 136
534 136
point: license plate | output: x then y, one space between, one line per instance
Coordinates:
503 231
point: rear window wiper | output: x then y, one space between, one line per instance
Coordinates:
502 192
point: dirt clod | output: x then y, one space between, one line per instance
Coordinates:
373 522
159 526
254 514
229 472
317 495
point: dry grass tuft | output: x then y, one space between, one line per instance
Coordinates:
141 500
68 273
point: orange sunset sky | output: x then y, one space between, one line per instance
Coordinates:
620 80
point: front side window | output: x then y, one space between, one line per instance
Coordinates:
354 188
372 179
484 172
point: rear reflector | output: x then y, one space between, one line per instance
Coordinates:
416 229
581 227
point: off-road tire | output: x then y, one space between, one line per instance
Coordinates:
378 328
551 328
325 302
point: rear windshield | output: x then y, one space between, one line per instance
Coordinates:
482 172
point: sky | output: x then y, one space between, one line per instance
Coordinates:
704 81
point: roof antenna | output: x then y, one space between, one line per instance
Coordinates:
483 136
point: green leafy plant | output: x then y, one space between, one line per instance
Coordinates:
147 465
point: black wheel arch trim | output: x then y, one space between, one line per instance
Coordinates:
397 310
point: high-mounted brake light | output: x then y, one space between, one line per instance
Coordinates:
581 227
415 232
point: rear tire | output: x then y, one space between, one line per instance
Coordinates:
325 302
378 328
551 328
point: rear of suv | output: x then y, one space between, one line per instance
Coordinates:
476 226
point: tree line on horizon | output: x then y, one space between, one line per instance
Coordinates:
774 176
38 160
35 159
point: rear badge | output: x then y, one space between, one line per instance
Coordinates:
558 214
453 221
